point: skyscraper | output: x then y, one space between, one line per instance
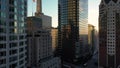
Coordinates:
12 33
91 38
39 40
72 29
54 34
109 34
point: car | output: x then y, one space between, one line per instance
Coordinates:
85 64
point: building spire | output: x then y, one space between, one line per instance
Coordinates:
38 8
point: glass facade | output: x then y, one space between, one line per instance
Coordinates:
12 27
83 26
72 29
83 17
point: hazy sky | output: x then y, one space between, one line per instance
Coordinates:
50 7
93 12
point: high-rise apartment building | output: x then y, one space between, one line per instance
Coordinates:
72 29
12 33
109 34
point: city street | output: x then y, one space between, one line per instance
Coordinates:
90 63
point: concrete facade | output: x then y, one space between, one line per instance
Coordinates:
13 14
39 40
109 31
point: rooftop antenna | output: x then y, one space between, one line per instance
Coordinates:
33 1
38 8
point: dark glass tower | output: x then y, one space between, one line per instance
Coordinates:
72 29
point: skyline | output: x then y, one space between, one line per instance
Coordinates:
51 9
59 34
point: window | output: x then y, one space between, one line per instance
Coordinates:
2 22
21 62
13 45
13 37
2 38
13 65
21 43
13 24
13 52
13 30
21 56
11 9
2 30
11 2
11 59
2 61
21 37
21 50
11 16
2 46
2 53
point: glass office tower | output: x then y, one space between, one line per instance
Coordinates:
72 29
12 33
